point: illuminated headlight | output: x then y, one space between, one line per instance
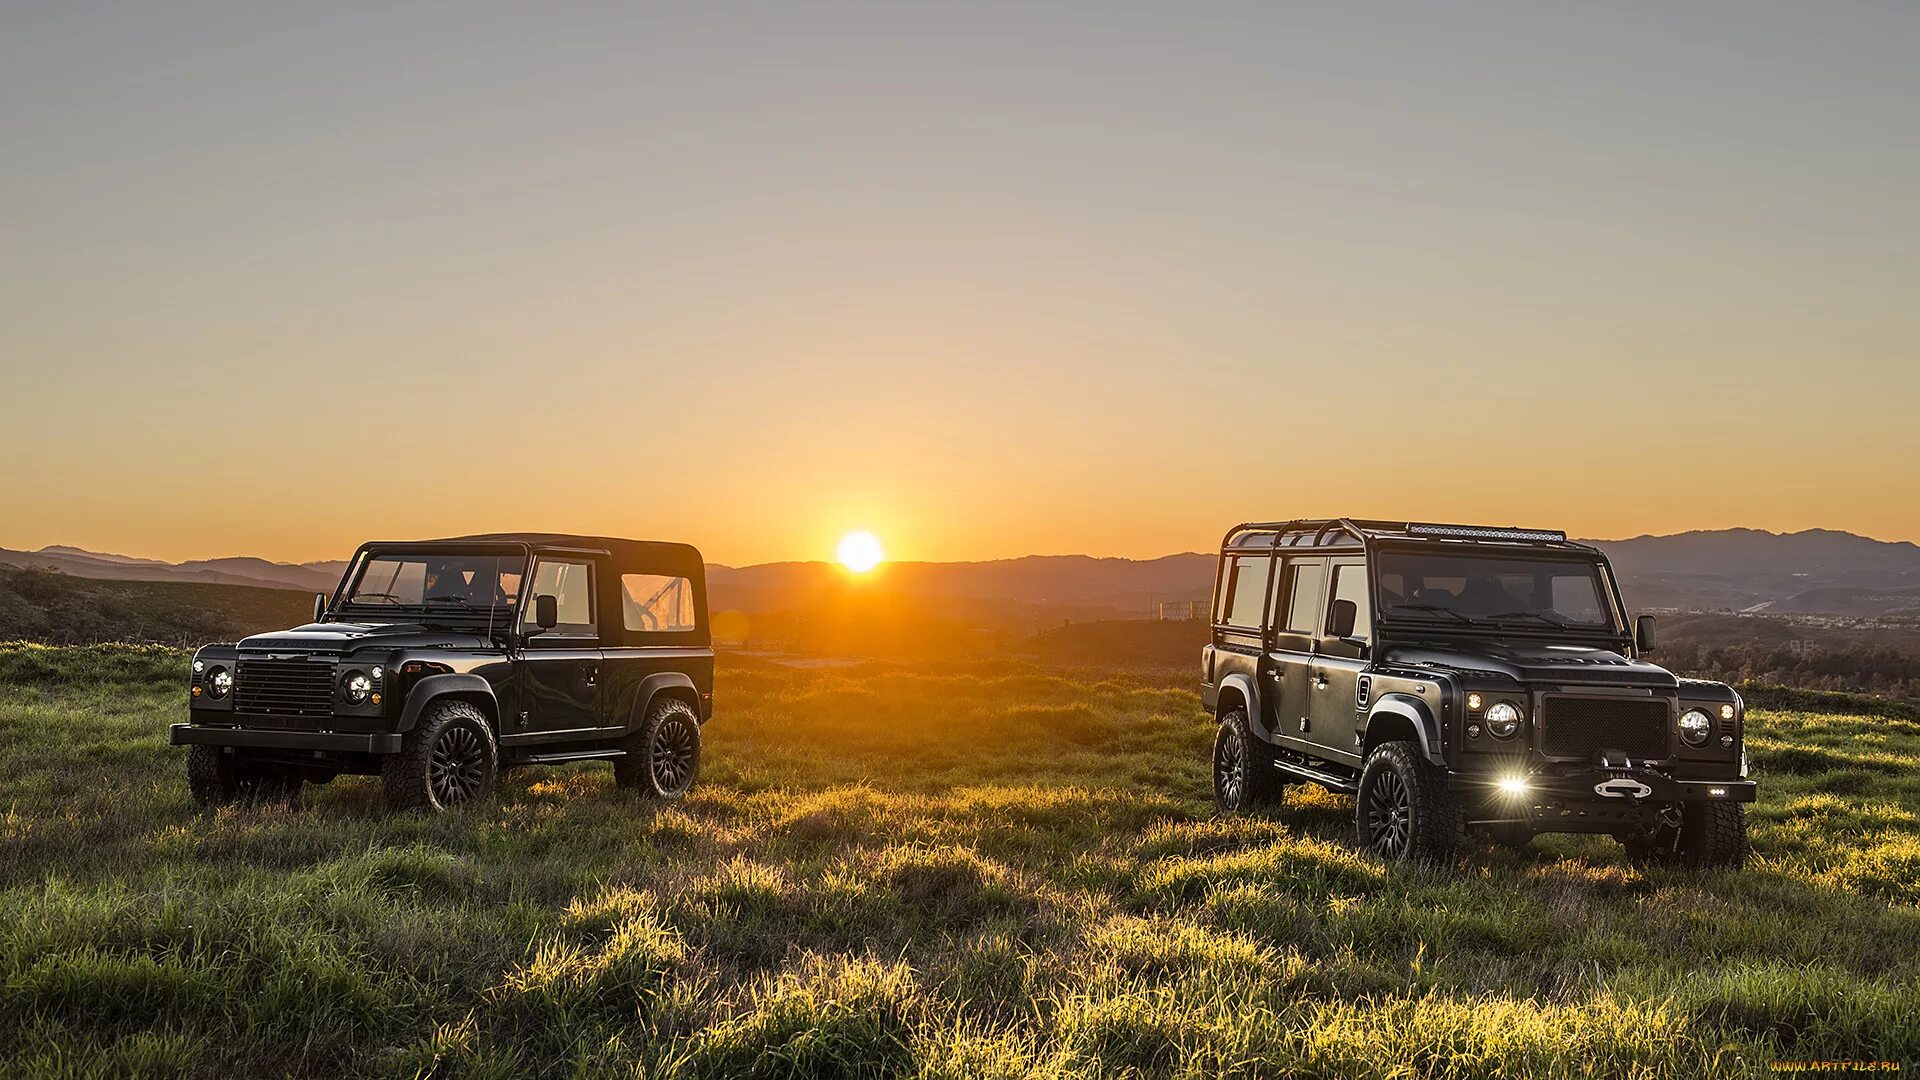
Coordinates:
219 681
1513 785
1695 727
1503 719
356 686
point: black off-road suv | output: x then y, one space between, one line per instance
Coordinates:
1459 680
435 664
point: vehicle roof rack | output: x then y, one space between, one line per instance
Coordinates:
1360 533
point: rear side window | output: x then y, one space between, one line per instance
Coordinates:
1303 608
1246 591
657 603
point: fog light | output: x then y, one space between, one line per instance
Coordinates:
199 666
1716 791
378 672
1513 785
1473 702
1726 711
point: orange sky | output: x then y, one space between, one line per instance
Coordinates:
986 281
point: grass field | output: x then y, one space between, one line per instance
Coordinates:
986 871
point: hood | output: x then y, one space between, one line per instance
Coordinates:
1538 662
336 637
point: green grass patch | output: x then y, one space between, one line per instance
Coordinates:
995 870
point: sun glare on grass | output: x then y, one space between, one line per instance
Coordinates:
860 551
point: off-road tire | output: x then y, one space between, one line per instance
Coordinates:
1403 810
449 759
1711 836
216 778
662 758
1243 774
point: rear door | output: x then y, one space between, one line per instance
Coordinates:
1238 622
559 671
1296 612
1337 664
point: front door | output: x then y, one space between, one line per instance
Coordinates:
1338 664
1296 611
559 670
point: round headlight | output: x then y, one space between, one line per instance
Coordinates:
356 686
1695 727
219 681
1503 719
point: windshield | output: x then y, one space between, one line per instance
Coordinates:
438 582
1493 589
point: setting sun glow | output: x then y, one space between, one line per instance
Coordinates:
860 551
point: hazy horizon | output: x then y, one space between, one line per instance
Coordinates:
986 280
1207 551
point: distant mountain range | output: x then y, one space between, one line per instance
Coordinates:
1818 571
310 577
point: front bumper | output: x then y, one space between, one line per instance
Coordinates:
1591 799
270 739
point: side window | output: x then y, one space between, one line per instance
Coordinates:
1350 583
1247 590
1303 607
656 602
570 581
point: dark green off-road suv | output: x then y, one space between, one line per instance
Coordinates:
1460 681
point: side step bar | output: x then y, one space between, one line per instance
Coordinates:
569 755
1345 785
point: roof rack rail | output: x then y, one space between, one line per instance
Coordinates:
1362 532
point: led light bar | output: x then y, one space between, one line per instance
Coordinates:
1475 533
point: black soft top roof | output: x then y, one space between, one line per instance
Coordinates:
653 554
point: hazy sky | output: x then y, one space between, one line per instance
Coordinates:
987 279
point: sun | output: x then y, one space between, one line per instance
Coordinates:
860 551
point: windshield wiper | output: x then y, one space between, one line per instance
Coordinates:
1447 611
387 596
461 600
1540 615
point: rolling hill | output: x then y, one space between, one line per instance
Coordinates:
1812 572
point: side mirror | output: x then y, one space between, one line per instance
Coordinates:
546 611
1643 635
1341 617
319 605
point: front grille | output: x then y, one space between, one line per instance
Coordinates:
1580 727
283 688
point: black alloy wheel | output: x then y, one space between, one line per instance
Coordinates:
447 760
1389 812
673 754
662 756
458 767
1230 767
